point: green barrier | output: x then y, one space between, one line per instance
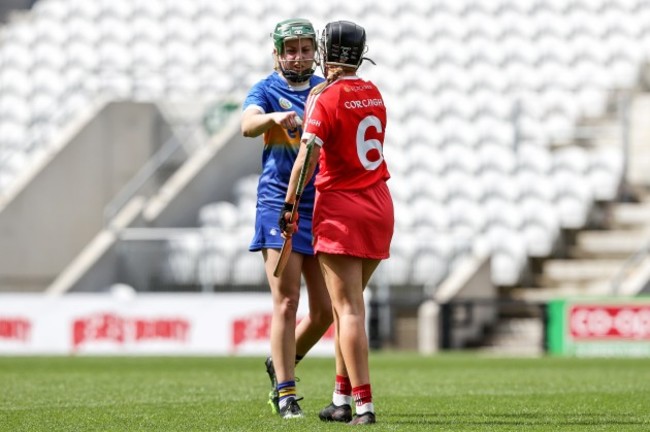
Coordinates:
217 114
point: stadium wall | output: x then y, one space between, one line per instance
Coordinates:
116 255
471 282
59 206
207 177
7 7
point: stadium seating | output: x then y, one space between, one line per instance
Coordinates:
182 256
477 92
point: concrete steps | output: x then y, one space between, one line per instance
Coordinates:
539 294
618 244
577 272
630 215
639 165
596 259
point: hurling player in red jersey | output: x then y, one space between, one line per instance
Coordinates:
353 213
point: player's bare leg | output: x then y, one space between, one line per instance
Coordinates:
340 409
346 278
281 366
313 326
285 291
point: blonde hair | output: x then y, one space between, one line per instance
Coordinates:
333 73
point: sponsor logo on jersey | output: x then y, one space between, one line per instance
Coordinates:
285 103
314 122
363 103
357 88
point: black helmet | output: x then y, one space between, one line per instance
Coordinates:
343 43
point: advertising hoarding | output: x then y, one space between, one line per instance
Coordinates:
143 324
601 327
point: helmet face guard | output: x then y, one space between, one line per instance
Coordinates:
294 29
342 43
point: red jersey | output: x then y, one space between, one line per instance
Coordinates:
348 119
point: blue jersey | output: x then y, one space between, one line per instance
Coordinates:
273 94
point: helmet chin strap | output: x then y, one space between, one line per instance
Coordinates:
297 77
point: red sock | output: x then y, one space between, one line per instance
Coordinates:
343 385
362 394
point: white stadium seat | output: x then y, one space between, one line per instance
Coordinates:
404 216
486 76
492 104
18 55
536 184
541 227
431 259
449 25
221 214
467 219
509 256
496 184
13 134
56 9
573 200
461 158
248 269
573 159
605 173
534 158
501 213
396 158
81 9
14 110
400 189
515 25
496 158
216 256
429 213
182 254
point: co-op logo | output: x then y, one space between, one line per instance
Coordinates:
609 322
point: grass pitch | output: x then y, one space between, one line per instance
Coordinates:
455 392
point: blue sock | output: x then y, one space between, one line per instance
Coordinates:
286 391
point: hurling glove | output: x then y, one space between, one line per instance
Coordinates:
284 220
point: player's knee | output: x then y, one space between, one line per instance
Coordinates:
289 306
322 317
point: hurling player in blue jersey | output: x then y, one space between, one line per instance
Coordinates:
274 107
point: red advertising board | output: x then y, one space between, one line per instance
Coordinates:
599 327
594 321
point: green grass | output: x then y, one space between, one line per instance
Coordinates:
455 392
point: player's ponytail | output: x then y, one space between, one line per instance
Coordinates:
333 73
